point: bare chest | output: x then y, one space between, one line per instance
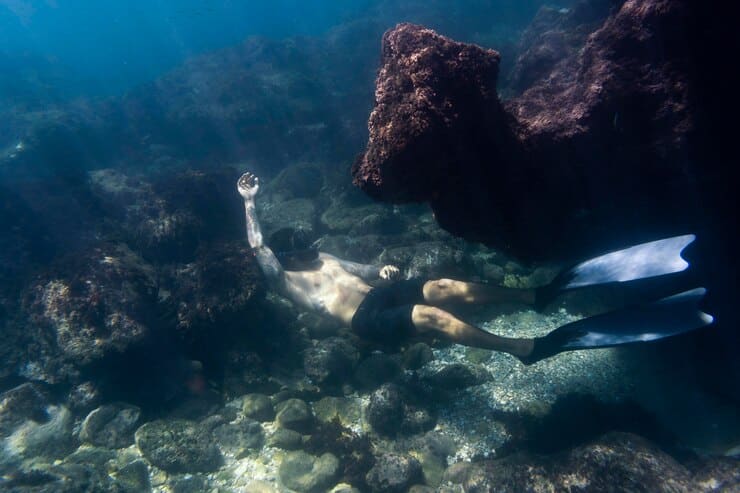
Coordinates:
330 290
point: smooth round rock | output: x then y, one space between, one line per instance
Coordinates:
348 411
285 439
457 376
111 425
258 407
307 473
178 446
295 414
241 437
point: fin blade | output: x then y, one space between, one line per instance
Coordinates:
674 315
651 259
670 316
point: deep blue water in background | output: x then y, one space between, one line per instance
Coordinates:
106 47
82 47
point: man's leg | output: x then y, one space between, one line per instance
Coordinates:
442 291
431 319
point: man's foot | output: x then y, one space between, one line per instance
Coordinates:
553 343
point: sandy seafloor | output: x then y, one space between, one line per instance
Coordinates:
468 420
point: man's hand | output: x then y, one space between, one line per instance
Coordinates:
248 186
390 272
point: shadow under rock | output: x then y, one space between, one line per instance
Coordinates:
576 419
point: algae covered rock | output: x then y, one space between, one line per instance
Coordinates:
49 438
258 407
301 181
385 411
111 425
19 404
93 305
417 355
299 214
347 410
307 473
285 439
457 376
393 409
330 361
295 414
614 462
241 437
218 287
167 216
375 370
393 473
178 446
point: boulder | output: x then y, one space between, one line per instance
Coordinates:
258 407
393 473
178 446
241 437
330 361
215 290
93 305
306 473
295 414
285 439
375 370
26 401
615 462
111 426
49 439
439 134
385 411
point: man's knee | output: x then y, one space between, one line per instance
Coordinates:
438 289
426 317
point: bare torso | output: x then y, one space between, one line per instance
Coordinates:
328 289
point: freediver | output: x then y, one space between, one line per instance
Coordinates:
399 309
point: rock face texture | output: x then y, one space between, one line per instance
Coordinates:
614 462
600 139
437 127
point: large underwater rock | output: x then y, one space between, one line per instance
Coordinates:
614 462
600 138
96 303
621 131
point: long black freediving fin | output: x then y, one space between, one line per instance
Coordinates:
646 260
641 323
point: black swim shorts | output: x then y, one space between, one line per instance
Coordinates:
385 314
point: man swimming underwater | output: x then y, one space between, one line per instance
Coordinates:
400 309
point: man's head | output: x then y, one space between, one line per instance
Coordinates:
293 248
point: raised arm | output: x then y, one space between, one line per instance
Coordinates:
248 186
366 271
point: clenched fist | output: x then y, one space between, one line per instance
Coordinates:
390 272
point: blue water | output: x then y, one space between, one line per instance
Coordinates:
81 47
106 47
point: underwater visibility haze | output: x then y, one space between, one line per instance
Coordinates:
368 246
